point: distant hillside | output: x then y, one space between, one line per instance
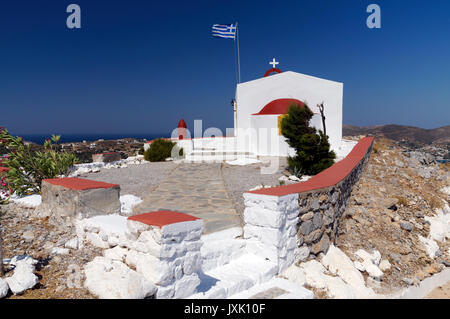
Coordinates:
395 132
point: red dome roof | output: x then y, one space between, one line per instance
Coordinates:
279 106
182 124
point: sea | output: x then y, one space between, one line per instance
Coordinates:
72 138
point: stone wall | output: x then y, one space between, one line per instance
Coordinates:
320 212
286 224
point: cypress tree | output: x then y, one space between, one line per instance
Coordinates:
312 149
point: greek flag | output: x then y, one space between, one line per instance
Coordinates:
227 31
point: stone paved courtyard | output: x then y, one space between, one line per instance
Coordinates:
211 191
196 189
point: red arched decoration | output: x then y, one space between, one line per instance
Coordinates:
279 106
272 70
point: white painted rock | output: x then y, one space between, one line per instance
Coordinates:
295 274
3 288
314 274
16 260
112 279
338 263
374 258
72 244
23 277
116 253
431 246
294 178
440 224
127 202
338 289
369 263
283 178
385 265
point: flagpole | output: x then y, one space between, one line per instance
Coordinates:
239 58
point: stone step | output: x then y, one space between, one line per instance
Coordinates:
221 247
218 155
219 152
237 276
276 288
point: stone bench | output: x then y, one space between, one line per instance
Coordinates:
70 197
106 157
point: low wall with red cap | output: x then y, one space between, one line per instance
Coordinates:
64 198
163 248
286 224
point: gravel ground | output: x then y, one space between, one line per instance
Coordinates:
137 180
60 276
239 179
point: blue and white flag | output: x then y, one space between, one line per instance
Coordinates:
227 31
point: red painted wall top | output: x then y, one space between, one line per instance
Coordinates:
329 177
162 218
79 183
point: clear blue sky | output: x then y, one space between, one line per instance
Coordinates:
140 66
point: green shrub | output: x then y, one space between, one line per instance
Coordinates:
27 169
312 149
159 150
141 150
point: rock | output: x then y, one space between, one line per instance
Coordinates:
389 202
418 214
4 288
72 244
112 279
116 253
283 179
408 281
59 251
431 247
295 274
338 263
294 178
23 259
385 265
306 227
314 274
374 258
370 263
444 262
321 246
23 277
307 216
399 163
406 225
317 220
28 236
301 253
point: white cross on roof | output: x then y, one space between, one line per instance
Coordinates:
274 63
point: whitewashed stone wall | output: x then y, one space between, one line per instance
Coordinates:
290 228
271 226
169 257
